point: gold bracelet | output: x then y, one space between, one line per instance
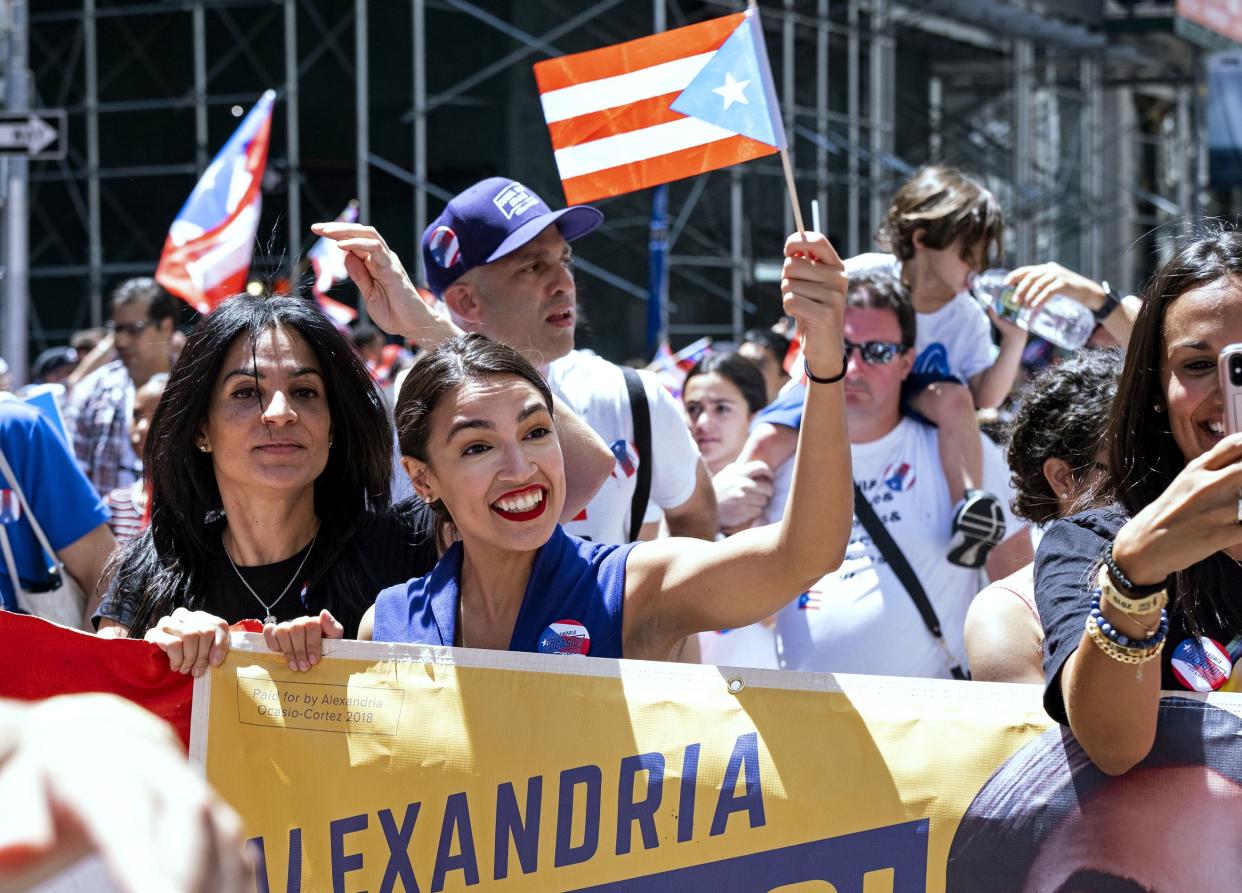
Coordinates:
1114 595
1121 653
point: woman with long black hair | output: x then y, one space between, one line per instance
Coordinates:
1141 592
269 461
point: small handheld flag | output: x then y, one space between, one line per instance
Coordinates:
660 108
210 244
327 261
671 368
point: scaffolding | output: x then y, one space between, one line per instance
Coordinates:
1088 143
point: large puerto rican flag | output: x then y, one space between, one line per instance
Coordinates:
661 108
210 244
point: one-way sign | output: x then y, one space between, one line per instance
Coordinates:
36 133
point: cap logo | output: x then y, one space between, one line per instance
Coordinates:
514 199
444 248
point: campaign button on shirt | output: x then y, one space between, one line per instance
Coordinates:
1201 664
565 637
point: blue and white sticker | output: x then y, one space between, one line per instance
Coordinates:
565 637
1201 664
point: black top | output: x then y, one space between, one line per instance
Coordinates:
1066 565
390 548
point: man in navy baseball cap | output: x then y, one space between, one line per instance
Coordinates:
500 260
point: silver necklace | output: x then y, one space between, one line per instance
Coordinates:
267 609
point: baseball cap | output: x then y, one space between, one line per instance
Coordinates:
491 219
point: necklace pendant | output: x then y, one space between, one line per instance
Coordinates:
269 619
1138 673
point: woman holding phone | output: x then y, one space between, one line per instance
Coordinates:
475 426
1140 592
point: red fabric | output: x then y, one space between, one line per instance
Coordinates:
39 659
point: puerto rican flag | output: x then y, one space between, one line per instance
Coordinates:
210 244
327 261
671 368
661 108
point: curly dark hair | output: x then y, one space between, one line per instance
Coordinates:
1063 413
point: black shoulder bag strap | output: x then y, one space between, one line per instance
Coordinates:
897 561
641 413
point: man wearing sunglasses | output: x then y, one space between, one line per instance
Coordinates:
144 318
861 618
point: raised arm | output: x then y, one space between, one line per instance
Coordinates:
678 586
1112 711
393 303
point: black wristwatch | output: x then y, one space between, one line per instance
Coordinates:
1111 300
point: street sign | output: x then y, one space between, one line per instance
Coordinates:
36 133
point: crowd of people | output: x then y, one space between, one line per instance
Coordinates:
840 512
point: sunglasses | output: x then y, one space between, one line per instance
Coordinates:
875 353
132 329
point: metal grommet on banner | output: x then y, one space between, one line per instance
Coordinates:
735 685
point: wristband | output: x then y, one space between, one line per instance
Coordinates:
1113 595
806 367
1111 300
1130 587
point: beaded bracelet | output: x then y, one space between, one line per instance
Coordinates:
1126 583
1115 635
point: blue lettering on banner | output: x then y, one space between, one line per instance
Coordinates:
593 778
642 811
520 825
456 823
897 851
745 755
689 784
293 883
341 863
509 824
398 840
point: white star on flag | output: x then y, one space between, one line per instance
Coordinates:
731 90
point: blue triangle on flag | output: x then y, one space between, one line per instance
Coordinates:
735 91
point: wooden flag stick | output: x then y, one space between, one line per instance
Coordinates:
793 192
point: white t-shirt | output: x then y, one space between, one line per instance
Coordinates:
860 619
955 340
748 646
595 389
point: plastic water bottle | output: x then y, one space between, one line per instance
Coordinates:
1061 320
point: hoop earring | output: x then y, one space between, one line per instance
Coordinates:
1158 408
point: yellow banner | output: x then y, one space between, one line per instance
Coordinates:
393 767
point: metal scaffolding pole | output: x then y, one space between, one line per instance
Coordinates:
1185 155
420 131
737 274
16 205
1092 126
200 86
821 110
1023 72
881 120
94 202
292 137
853 111
362 123
935 118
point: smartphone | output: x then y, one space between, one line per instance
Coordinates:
1230 368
